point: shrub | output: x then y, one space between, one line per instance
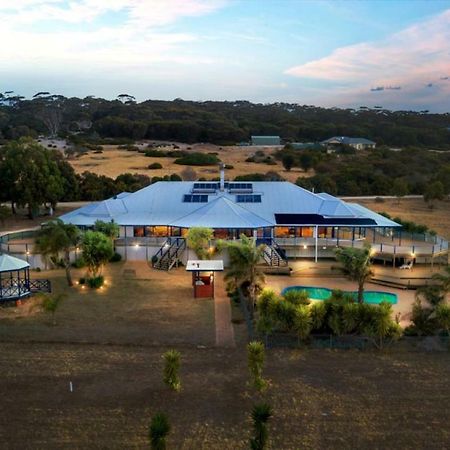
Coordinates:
95 282
116 257
155 153
256 356
297 297
198 159
159 429
155 166
82 280
171 368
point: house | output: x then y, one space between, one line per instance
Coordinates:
290 220
356 143
266 140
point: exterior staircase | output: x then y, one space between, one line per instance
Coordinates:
274 255
169 254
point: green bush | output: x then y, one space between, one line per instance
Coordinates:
95 282
155 166
116 257
79 263
155 153
198 159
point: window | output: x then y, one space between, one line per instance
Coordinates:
195 198
248 198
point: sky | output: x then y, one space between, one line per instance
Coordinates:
394 54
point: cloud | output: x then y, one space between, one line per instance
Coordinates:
405 61
136 39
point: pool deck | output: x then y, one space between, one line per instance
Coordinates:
405 297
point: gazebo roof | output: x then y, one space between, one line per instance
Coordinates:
10 263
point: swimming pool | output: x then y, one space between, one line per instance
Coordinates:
321 293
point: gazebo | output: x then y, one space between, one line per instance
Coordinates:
14 278
203 276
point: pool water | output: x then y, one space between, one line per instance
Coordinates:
320 293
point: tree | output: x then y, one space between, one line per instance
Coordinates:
29 175
110 229
306 161
288 161
434 191
243 270
400 188
357 265
5 213
51 302
443 316
97 251
159 429
172 362
198 239
256 356
261 414
57 237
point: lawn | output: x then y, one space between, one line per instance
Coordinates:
151 309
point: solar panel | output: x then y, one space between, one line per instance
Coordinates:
195 198
202 187
240 187
248 198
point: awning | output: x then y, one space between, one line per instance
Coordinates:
201 265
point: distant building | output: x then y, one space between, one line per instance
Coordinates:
306 146
356 143
266 140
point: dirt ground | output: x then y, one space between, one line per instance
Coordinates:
321 399
113 162
416 210
109 343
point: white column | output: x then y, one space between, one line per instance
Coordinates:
316 236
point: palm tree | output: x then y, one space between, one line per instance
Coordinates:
58 237
243 270
357 265
159 429
261 414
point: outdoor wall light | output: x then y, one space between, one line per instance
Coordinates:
305 246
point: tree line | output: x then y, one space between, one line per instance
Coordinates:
224 122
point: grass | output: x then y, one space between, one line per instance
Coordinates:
116 161
416 210
110 342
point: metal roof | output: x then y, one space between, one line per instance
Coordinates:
348 140
10 263
162 204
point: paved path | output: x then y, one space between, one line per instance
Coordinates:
222 315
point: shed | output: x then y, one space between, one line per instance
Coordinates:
266 140
203 276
